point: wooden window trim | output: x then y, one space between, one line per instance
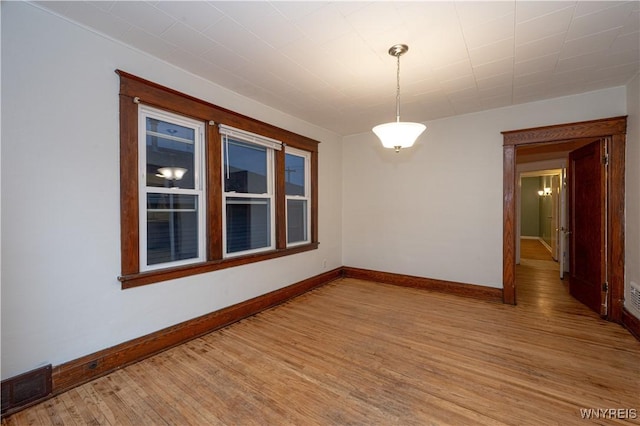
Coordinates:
135 90
307 197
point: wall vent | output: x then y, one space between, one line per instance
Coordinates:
20 391
635 296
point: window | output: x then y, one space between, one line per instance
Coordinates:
203 188
171 189
247 168
297 193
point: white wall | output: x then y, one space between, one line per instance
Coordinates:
60 198
632 190
435 210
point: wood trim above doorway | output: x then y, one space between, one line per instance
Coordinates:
562 132
614 127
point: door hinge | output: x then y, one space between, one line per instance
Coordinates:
605 287
605 159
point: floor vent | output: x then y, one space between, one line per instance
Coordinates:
20 391
635 296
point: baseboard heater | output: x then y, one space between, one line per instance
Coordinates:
635 296
21 391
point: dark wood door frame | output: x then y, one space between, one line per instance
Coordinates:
615 128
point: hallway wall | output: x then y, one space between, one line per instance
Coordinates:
530 207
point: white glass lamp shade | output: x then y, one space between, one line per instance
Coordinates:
398 134
172 173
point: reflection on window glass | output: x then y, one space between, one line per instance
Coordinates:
172 228
294 175
248 224
245 167
296 220
170 154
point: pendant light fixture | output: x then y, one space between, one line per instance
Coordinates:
398 134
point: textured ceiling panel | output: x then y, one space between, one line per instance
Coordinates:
327 62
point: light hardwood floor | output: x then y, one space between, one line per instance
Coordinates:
357 352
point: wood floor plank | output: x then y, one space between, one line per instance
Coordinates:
358 352
534 249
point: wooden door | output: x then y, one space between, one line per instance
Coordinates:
555 215
587 209
563 241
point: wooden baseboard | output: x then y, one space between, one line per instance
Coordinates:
631 323
460 289
82 370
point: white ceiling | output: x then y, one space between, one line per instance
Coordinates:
327 62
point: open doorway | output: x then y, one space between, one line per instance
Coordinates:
549 141
541 250
541 214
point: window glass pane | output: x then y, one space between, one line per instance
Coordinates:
248 224
294 174
170 154
172 228
296 221
245 167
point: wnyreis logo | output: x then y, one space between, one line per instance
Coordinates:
608 413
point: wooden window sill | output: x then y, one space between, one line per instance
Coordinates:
151 277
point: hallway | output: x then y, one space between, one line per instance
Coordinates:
538 283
